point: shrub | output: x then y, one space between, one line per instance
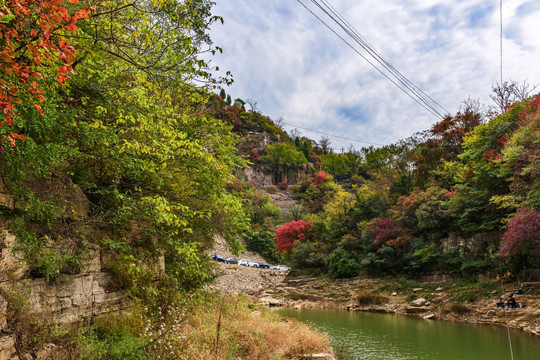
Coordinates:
283 186
342 265
521 240
288 234
320 179
263 242
470 268
308 255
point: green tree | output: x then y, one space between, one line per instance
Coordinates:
334 164
281 159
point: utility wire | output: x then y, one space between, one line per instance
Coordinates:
353 33
336 136
437 147
349 29
501 38
367 60
408 87
502 283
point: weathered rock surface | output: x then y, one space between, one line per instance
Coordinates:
419 302
68 301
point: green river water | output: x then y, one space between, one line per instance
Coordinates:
393 337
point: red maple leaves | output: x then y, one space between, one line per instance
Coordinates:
30 34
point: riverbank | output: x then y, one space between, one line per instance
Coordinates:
439 299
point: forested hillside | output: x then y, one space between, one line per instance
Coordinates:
460 198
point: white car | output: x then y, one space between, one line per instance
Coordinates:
244 262
282 268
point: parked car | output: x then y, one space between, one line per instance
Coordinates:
231 260
283 268
217 258
244 262
261 265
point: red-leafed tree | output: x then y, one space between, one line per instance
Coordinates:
387 232
320 179
288 234
522 239
31 43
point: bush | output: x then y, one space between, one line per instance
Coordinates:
342 265
263 242
521 242
309 256
283 186
472 267
288 234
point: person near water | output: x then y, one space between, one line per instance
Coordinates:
511 302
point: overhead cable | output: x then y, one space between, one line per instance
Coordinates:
388 71
351 31
336 136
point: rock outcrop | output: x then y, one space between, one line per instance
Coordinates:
66 302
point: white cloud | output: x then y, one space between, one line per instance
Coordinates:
295 68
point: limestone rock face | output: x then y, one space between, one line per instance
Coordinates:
12 268
75 203
67 302
79 298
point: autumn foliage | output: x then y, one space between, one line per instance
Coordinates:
31 42
387 232
523 236
320 179
288 234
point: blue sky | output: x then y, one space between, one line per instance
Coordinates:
296 69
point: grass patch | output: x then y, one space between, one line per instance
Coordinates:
247 334
459 308
465 291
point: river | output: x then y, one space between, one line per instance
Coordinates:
376 336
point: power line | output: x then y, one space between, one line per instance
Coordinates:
437 147
353 33
408 87
375 54
501 38
336 136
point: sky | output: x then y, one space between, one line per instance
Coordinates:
295 68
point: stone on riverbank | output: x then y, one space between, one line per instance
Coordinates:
419 302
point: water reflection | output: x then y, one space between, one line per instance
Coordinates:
393 337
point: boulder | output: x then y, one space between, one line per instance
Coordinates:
270 301
419 302
7 347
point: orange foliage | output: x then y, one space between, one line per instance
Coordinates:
30 31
